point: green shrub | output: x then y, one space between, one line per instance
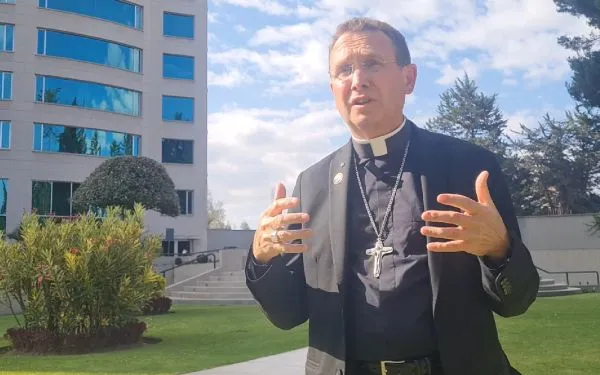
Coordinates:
82 276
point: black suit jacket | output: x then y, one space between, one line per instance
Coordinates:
466 292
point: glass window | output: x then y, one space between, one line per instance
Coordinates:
121 12
178 66
7 1
176 108
178 25
82 48
177 151
3 202
6 80
87 95
53 197
185 201
4 134
184 247
6 37
83 141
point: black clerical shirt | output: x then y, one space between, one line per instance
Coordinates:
390 317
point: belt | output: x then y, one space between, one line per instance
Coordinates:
418 366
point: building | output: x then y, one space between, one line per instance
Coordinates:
85 80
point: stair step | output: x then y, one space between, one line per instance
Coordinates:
556 286
204 295
216 302
226 278
231 284
547 282
216 289
559 292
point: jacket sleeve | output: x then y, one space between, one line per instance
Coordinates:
279 286
511 286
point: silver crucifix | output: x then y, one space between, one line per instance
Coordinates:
377 253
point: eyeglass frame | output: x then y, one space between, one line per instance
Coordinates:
369 70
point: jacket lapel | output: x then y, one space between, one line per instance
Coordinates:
339 175
433 178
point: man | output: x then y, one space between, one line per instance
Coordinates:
399 246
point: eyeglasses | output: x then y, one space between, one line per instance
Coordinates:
345 72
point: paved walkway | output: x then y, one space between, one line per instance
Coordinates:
289 363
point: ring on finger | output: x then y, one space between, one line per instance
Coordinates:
275 236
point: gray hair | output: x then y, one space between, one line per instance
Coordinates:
364 24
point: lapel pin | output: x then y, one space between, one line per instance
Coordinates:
338 178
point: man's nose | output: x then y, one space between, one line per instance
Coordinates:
360 78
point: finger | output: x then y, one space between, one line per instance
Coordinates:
459 201
446 247
482 190
279 191
455 233
293 235
281 204
448 217
285 220
291 248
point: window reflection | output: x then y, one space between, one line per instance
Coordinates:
185 201
6 82
122 12
88 95
177 151
53 197
178 25
6 37
176 108
178 66
4 134
84 141
82 48
3 203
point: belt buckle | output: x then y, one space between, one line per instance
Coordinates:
383 363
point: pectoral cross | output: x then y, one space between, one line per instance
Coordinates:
377 253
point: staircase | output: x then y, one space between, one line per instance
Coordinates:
550 288
215 288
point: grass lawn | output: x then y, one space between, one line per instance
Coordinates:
558 335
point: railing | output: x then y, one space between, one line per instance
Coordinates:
199 254
566 273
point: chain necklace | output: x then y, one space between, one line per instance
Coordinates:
378 251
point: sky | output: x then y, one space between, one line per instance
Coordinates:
270 109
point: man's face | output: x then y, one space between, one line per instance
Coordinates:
368 85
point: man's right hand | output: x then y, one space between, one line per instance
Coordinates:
274 219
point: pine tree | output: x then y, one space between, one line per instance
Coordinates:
586 63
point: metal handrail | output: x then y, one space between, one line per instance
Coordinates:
207 252
573 272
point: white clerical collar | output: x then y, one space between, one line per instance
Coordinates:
379 145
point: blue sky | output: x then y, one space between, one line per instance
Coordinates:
270 111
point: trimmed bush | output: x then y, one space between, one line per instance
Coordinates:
124 181
81 279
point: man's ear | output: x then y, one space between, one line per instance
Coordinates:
410 77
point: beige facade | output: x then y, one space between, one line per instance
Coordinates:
20 165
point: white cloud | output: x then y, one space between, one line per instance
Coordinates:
503 35
212 17
266 6
240 29
250 150
229 78
450 74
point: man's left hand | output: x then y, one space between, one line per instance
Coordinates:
479 228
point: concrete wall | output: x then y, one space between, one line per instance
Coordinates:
557 243
563 243
222 238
